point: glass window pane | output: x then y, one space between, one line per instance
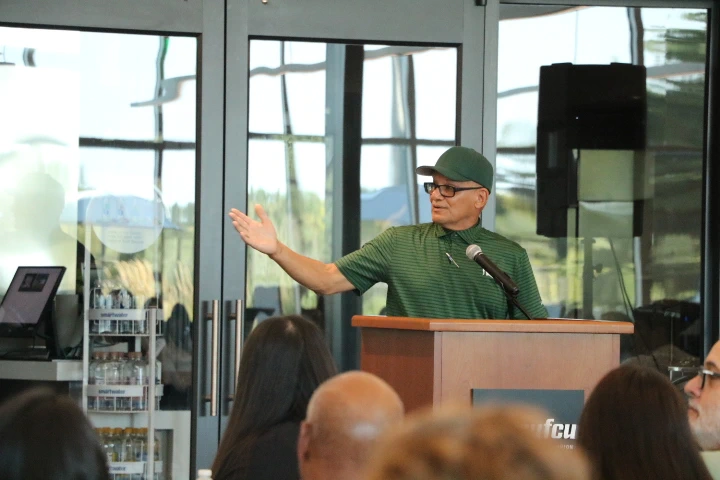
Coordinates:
86 171
625 209
408 116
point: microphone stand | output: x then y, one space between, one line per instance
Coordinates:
513 299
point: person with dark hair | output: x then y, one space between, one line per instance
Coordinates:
635 426
283 362
45 435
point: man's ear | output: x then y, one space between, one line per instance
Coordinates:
482 198
304 442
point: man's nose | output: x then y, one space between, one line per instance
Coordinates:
693 387
435 194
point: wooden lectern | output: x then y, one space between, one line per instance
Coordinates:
432 361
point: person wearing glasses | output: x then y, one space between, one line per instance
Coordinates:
703 393
634 426
425 266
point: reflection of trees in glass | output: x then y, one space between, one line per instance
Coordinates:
675 136
311 241
137 272
671 234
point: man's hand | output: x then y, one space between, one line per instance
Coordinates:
259 235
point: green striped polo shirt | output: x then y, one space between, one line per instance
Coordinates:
423 282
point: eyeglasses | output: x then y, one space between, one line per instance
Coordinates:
688 373
447 190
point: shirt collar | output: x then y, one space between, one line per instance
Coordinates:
470 235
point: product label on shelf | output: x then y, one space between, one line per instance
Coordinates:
133 467
121 390
120 314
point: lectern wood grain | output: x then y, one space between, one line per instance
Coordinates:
405 359
431 361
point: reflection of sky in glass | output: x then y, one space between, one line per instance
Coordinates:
118 171
114 71
306 101
592 35
117 70
436 91
377 98
266 166
580 36
435 83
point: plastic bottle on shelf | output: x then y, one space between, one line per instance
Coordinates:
112 377
141 324
96 301
157 455
126 441
107 326
138 377
100 379
109 445
123 403
124 301
139 450
204 474
117 436
92 399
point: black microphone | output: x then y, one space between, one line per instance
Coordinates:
475 253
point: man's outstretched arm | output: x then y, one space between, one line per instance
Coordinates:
322 278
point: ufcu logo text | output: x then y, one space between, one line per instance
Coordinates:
550 429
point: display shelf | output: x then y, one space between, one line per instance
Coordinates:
134 403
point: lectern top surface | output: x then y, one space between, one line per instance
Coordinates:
550 325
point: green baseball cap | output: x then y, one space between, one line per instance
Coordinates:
462 164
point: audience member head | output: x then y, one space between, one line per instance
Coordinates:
704 403
45 435
345 417
489 443
283 362
635 426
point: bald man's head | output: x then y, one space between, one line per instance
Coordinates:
345 416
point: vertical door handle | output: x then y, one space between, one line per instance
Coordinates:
215 359
239 318
239 336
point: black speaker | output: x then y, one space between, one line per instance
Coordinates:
589 109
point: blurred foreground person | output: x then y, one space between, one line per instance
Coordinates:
283 362
345 417
45 435
704 409
490 443
635 426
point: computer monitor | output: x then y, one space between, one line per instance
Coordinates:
26 308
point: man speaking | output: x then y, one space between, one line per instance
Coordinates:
425 266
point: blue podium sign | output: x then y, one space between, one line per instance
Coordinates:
563 407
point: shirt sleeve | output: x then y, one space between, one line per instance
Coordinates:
529 296
369 264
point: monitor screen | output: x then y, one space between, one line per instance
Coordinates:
30 293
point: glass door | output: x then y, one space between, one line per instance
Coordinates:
330 107
101 125
98 175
